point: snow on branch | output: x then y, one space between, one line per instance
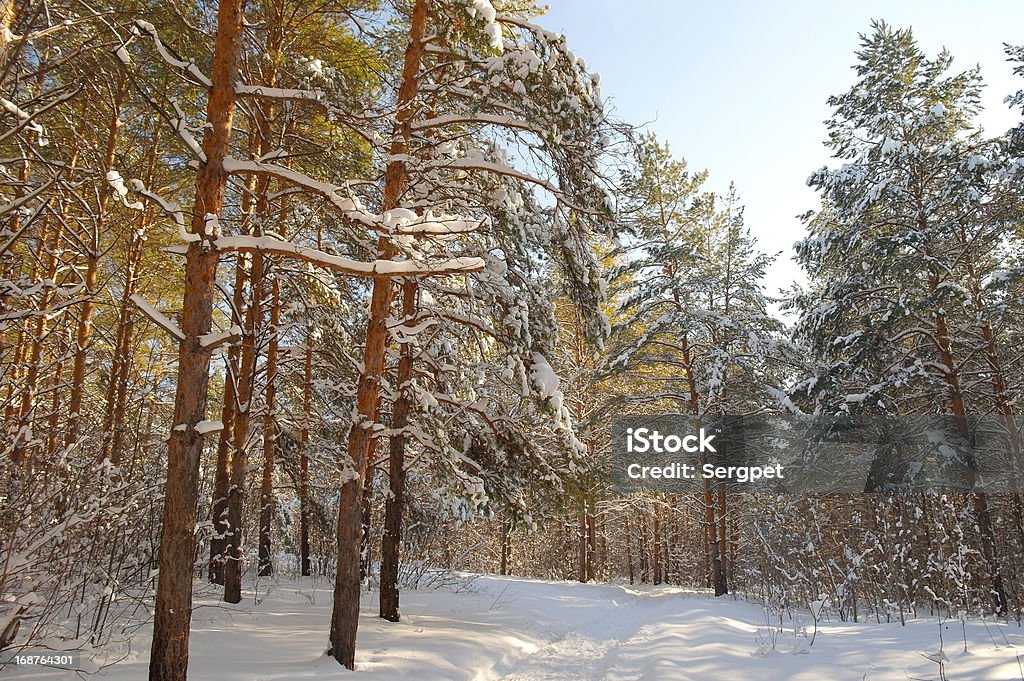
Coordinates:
218 338
169 207
396 221
481 118
408 222
178 124
293 94
540 32
141 28
158 317
332 192
145 28
29 122
395 268
22 200
499 169
25 117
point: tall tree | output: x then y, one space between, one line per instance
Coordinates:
169 655
915 212
513 82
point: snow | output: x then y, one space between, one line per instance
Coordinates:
544 376
170 207
332 192
25 117
486 11
116 183
279 93
485 628
204 427
158 317
145 28
214 339
270 244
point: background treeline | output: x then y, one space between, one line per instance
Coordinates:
351 289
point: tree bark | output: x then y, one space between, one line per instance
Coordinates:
50 237
366 511
394 507
173 610
506 546
84 333
266 566
233 549
979 500
226 443
345 614
629 549
121 362
307 400
723 540
656 548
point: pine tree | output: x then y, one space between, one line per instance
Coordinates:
911 229
695 322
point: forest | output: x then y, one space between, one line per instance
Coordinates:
353 290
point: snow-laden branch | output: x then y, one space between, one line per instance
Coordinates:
498 169
480 118
20 201
393 268
350 206
23 122
169 207
407 222
24 116
178 124
540 32
146 28
158 317
265 92
215 339
396 221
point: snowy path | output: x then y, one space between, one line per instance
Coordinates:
591 649
510 629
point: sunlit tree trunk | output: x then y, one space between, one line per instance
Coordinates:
307 403
84 333
394 508
173 610
266 566
345 615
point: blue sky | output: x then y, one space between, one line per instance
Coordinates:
739 88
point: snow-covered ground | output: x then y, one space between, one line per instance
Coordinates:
488 628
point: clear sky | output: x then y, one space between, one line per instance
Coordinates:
739 88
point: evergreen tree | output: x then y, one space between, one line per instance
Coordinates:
911 231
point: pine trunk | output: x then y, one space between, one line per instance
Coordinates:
345 614
722 541
233 549
979 500
366 511
121 362
173 610
656 551
307 402
84 333
394 509
266 567
226 443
